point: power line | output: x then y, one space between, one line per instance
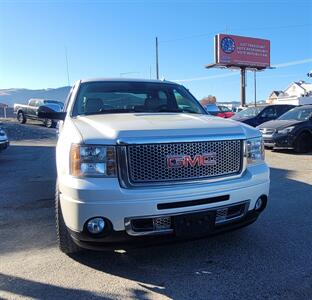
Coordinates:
235 29
190 37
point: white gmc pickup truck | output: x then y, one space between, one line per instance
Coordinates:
141 161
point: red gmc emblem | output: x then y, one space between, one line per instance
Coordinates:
179 161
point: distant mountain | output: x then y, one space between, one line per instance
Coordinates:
11 96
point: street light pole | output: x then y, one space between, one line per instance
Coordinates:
157 67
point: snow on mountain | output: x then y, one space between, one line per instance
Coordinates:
11 96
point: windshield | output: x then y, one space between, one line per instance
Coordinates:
249 112
224 108
54 106
125 97
211 108
298 113
52 101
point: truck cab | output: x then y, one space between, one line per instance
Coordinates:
34 106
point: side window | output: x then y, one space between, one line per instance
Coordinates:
163 99
224 108
181 101
185 104
282 109
68 98
287 108
32 102
269 112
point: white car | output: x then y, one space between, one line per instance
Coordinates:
4 141
141 159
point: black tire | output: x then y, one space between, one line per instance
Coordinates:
21 117
49 123
64 240
303 143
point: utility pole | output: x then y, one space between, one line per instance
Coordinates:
255 86
157 67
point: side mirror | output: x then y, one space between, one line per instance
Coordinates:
45 112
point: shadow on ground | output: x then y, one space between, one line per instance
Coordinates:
29 288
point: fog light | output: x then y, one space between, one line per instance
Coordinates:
96 225
259 204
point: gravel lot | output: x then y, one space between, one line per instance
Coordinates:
270 259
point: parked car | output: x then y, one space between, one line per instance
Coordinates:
254 116
291 130
225 111
141 159
4 141
218 111
238 109
30 111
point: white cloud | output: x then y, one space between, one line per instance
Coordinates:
293 63
206 77
233 73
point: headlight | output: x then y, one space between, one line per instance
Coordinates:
254 150
2 132
286 130
92 161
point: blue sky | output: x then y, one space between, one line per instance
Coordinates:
107 38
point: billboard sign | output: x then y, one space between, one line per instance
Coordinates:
240 51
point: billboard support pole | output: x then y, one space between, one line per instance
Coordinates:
243 87
255 86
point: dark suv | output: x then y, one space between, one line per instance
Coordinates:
291 130
254 116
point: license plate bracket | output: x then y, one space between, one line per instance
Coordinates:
194 224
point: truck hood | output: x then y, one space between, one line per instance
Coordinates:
102 129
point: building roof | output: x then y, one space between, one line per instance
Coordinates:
277 92
305 85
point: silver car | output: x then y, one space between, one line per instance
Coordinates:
4 141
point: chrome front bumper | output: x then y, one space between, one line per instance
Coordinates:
223 215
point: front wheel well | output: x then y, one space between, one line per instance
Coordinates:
303 141
304 131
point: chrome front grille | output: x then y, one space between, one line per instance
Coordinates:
267 130
147 163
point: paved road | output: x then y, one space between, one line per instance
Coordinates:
271 259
